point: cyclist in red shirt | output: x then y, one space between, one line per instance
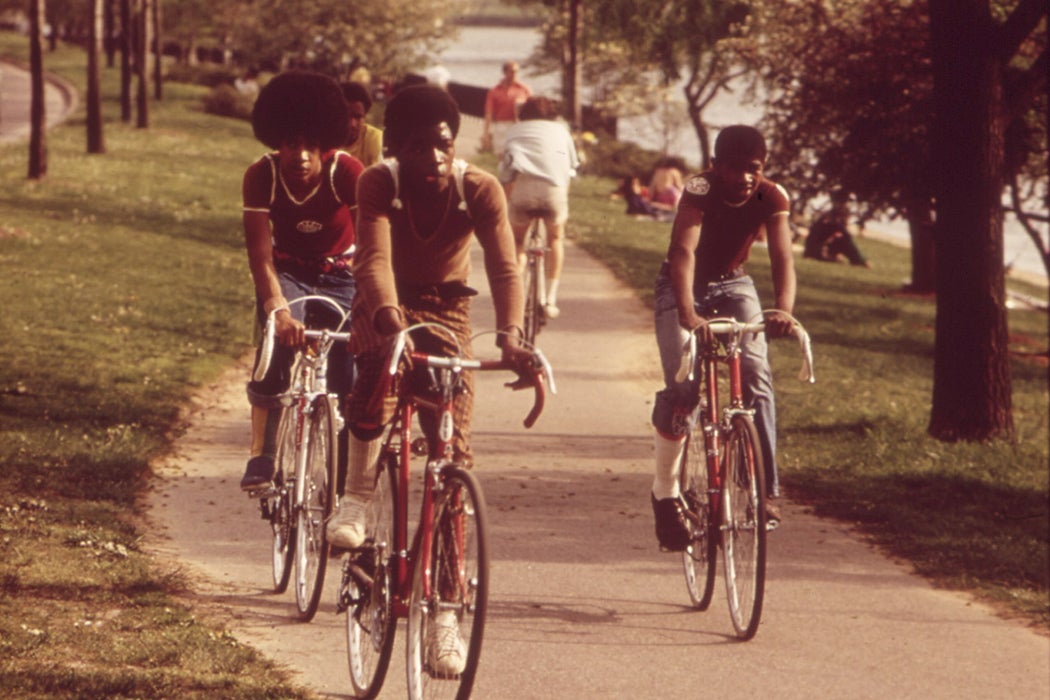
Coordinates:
719 217
299 203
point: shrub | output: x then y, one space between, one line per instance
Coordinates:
225 101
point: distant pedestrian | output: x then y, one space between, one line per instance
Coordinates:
501 107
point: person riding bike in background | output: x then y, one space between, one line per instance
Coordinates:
363 141
299 232
539 158
720 215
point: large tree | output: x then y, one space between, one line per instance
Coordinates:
979 91
388 38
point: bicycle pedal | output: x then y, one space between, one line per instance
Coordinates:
262 491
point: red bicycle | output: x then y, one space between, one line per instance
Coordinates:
441 572
723 477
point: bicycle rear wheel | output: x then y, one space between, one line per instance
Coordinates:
744 520
279 505
446 615
370 621
533 307
698 560
311 545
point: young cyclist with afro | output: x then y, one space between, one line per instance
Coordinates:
298 213
419 210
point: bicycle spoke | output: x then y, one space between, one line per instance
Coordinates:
698 560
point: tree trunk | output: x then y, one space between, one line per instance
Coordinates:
158 52
923 248
572 65
126 45
37 108
142 24
110 33
95 141
971 382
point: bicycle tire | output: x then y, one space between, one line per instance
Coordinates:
532 302
698 560
744 523
282 524
311 556
370 620
460 586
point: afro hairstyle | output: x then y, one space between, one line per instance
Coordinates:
356 92
301 104
414 108
740 141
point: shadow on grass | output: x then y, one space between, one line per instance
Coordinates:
953 529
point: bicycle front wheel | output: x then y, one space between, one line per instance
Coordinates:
698 559
279 505
744 523
313 511
370 621
446 614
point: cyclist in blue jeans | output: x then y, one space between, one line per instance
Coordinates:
298 212
720 215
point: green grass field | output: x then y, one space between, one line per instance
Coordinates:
126 290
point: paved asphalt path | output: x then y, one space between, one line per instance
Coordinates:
59 101
582 604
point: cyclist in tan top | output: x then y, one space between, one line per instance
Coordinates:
418 213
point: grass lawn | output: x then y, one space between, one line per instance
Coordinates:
126 290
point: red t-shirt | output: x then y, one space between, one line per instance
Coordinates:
319 225
728 230
501 101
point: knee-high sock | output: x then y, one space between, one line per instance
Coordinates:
552 295
264 431
668 460
361 468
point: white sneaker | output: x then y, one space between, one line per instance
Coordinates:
551 310
446 653
346 527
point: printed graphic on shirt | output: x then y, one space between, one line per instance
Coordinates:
309 226
698 184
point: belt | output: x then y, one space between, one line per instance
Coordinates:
731 275
321 265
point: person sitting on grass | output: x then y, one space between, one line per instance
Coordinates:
299 233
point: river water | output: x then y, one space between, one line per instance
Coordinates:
475 57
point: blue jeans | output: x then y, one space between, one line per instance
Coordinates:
738 299
339 285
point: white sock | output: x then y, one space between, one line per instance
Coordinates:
361 470
552 294
668 458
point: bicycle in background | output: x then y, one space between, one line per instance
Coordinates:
443 570
723 476
535 277
303 494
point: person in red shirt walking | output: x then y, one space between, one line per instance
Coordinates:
501 107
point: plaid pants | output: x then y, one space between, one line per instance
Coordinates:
454 314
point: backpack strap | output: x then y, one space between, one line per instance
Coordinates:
459 169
